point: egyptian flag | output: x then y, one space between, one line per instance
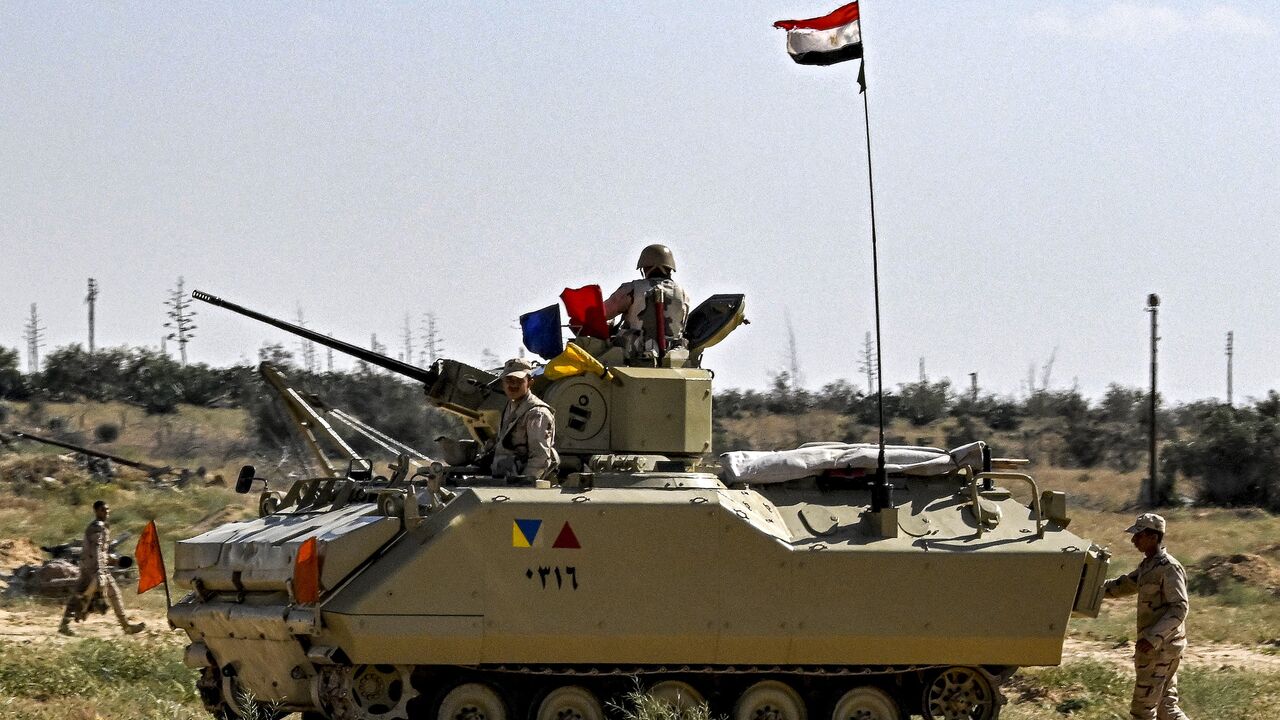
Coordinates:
825 40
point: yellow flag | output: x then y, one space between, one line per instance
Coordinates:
573 361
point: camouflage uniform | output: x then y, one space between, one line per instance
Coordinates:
95 577
630 301
1161 586
526 439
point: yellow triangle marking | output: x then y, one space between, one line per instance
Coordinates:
517 537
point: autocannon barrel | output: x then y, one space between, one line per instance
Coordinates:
373 358
152 469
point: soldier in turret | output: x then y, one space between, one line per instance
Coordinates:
525 444
95 575
654 308
1160 583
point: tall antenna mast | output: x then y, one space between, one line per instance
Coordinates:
34 335
1152 498
92 300
1231 348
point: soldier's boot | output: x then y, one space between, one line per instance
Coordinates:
72 611
112 592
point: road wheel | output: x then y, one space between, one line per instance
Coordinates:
770 700
960 693
866 703
570 702
677 694
472 701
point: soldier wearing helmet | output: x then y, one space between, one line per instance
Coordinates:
654 308
1161 586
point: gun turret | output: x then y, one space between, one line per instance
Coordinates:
450 385
629 416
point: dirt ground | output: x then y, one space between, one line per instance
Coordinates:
1215 656
38 623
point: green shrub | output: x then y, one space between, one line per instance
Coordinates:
106 432
638 704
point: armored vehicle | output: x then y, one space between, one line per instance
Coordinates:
773 586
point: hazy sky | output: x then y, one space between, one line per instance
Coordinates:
1040 167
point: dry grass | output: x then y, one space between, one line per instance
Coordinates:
1098 691
213 438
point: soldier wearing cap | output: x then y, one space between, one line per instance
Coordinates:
526 439
654 308
1161 586
95 575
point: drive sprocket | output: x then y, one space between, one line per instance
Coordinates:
367 692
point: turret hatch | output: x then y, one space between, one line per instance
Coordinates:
713 320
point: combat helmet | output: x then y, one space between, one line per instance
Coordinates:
656 256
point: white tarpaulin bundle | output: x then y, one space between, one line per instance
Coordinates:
756 467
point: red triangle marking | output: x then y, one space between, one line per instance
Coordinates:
566 538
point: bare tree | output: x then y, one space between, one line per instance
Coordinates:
377 347
1046 370
33 333
867 363
181 327
406 336
793 356
306 348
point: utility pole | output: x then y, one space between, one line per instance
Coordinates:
92 300
1231 347
923 377
431 343
1152 499
973 386
34 335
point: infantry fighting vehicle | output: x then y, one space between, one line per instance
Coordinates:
779 586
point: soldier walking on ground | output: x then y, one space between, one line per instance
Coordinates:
95 575
525 444
1161 586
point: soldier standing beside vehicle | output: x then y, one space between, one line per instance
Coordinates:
95 575
1160 583
525 444
654 308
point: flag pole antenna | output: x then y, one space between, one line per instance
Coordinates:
827 40
881 497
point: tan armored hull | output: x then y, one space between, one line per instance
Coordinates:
706 576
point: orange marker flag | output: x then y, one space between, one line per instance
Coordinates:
150 561
306 572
